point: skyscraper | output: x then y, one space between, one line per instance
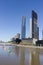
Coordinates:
42 34
23 31
38 33
33 25
30 27
17 35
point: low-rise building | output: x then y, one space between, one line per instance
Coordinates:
27 41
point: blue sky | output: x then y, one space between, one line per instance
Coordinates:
11 12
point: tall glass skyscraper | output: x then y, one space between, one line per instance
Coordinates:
42 34
23 30
38 33
33 25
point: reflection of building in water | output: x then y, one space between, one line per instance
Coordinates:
22 56
17 50
34 58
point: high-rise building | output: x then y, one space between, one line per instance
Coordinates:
42 34
33 25
38 33
30 27
23 31
17 35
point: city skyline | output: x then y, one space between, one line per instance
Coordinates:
11 12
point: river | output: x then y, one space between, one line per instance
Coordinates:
17 55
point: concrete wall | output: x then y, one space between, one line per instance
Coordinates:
28 41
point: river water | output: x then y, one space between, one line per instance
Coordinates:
16 55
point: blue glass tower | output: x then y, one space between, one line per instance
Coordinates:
23 30
33 25
38 33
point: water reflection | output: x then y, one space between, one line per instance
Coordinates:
9 50
4 47
22 56
14 55
34 57
21 52
15 50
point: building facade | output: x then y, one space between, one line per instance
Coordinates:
38 33
23 30
33 25
30 27
42 34
17 35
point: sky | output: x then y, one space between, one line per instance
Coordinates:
11 12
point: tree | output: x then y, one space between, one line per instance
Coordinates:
18 40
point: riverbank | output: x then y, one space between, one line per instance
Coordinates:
20 45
